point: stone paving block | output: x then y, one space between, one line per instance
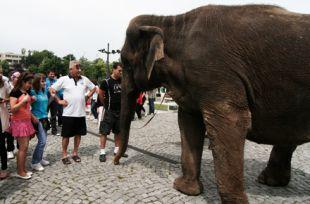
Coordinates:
143 178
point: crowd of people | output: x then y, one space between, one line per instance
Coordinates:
27 100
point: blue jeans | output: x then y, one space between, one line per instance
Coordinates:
38 152
151 105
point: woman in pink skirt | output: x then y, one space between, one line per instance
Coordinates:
21 121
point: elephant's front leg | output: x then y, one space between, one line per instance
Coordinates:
278 170
192 131
227 129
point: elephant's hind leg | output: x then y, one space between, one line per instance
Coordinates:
278 170
227 127
192 138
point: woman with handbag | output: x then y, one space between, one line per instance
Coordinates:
39 110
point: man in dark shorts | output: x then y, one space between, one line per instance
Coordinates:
74 88
110 96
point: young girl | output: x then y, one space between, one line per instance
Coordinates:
21 126
39 110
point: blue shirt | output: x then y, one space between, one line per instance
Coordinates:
48 83
39 107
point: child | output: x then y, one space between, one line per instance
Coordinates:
21 121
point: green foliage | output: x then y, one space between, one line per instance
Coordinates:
66 60
94 70
42 61
5 67
161 107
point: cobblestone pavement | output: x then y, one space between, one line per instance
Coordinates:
143 178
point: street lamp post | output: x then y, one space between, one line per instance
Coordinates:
108 53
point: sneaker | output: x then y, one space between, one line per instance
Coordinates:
29 173
37 167
44 162
11 155
102 158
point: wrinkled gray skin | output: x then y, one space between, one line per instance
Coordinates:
239 73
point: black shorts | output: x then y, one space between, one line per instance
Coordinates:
111 121
72 126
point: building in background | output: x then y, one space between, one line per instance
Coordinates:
14 60
11 58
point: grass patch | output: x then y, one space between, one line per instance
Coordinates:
161 107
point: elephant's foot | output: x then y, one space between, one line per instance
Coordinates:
116 160
275 176
188 187
234 198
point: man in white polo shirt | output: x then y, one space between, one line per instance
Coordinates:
74 88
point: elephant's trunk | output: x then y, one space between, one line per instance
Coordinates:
128 102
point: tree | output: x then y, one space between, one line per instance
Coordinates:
36 57
87 68
100 67
34 69
54 63
42 61
5 67
66 60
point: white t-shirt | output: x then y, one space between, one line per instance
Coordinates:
74 94
4 113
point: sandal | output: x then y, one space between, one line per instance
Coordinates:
66 161
4 175
76 158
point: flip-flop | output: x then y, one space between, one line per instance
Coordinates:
23 177
76 158
4 175
66 161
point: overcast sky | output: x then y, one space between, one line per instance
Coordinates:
81 27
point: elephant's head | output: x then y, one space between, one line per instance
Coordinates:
142 49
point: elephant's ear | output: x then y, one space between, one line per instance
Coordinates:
156 48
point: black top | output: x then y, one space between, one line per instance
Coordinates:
16 93
112 89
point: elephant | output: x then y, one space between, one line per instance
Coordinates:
236 73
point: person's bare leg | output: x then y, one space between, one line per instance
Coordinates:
117 140
103 141
77 141
25 154
65 143
21 155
